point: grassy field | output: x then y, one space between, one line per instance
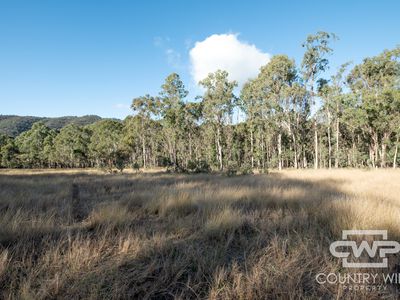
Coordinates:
83 234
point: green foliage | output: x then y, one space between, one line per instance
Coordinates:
245 169
174 114
34 145
105 142
219 99
8 152
199 166
217 106
71 146
356 125
120 159
15 125
375 83
232 168
136 167
314 59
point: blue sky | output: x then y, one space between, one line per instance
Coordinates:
92 57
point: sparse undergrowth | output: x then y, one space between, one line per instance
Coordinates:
184 236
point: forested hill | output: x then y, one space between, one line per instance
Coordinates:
14 125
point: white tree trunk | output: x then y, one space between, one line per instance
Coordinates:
220 159
280 151
395 153
315 146
337 144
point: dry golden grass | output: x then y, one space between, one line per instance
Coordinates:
156 235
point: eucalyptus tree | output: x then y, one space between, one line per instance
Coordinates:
71 146
276 81
218 102
3 142
33 143
331 93
250 104
191 114
172 110
317 48
106 142
8 152
338 86
376 84
353 131
48 153
390 126
325 92
297 109
145 107
132 139
396 120
358 123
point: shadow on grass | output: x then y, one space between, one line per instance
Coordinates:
285 223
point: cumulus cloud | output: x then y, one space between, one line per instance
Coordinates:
224 51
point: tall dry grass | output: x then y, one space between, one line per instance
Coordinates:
185 236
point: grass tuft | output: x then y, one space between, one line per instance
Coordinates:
154 235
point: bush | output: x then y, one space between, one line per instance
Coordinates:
164 161
191 166
199 166
136 167
246 169
120 160
232 169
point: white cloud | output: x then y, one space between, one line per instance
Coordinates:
224 51
160 41
173 58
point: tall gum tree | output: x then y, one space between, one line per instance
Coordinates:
376 84
218 102
276 81
314 63
145 107
172 106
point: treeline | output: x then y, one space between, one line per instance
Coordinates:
291 117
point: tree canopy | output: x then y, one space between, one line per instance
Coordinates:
288 116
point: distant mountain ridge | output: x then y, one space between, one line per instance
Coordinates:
13 125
